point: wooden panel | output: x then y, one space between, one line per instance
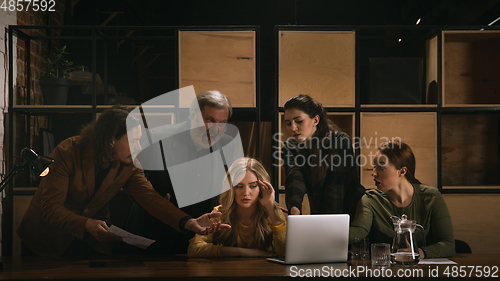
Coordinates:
219 60
266 150
282 201
471 68
471 186
306 210
398 105
248 133
418 130
320 64
475 220
345 121
470 150
21 204
431 76
248 136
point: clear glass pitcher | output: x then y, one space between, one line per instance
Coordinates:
404 250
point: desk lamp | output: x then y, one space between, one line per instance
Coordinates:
38 166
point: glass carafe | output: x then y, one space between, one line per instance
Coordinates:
404 250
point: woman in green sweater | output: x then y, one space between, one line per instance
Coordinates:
399 192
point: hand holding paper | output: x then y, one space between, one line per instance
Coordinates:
130 238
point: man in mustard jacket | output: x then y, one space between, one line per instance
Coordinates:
69 210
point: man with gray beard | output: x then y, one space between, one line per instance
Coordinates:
200 135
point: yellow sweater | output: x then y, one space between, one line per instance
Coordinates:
202 245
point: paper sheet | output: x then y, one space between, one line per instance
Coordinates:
130 238
436 261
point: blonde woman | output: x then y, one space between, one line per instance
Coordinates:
258 225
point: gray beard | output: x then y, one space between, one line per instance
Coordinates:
199 134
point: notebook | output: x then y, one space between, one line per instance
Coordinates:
316 239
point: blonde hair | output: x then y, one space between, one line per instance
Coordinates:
260 219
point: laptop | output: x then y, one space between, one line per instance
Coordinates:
316 239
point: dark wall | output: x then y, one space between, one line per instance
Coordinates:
135 82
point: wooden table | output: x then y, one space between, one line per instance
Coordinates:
181 267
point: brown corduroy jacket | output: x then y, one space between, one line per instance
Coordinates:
63 201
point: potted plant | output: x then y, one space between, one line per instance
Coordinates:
55 84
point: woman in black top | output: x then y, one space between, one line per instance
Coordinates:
318 159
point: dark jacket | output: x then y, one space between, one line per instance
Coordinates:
65 199
338 192
178 147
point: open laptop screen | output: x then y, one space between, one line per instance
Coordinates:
317 239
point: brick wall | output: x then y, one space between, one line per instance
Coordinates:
39 48
38 54
6 18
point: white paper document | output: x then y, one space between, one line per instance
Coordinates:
132 239
436 261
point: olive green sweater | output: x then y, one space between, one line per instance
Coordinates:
373 219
